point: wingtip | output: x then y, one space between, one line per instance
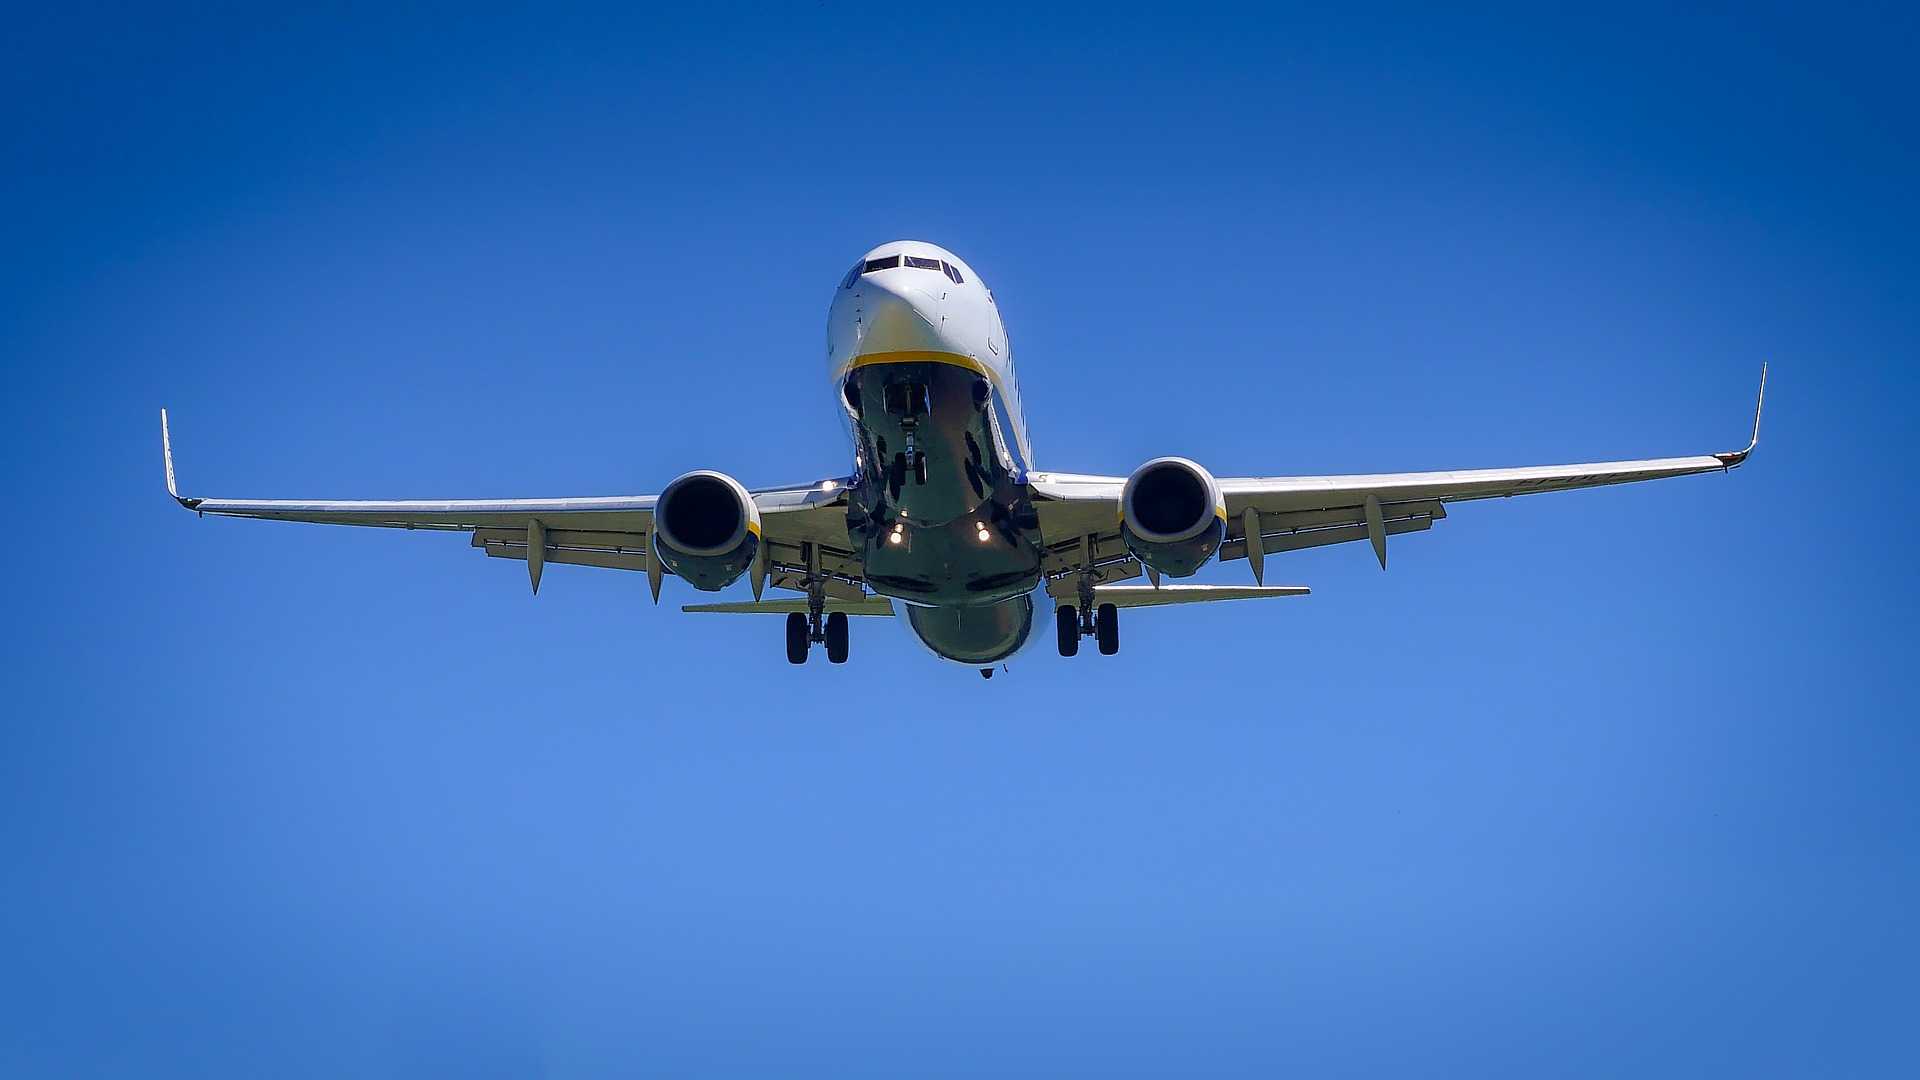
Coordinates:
1737 457
166 454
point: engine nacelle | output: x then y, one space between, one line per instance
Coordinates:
706 529
1172 515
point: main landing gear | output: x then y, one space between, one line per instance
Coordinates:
1070 625
801 636
816 625
1087 619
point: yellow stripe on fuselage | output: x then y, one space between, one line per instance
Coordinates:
913 356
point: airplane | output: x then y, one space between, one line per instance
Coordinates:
944 519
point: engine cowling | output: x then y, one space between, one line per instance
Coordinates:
706 529
1172 515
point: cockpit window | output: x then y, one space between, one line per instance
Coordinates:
913 262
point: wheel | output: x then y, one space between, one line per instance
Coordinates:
796 638
1106 629
896 475
837 637
1066 621
920 467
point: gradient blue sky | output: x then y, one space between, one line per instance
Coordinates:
1592 784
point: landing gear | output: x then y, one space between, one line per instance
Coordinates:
908 462
1066 624
1086 618
1106 629
837 638
816 624
797 638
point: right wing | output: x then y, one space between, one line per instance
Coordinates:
610 532
1080 514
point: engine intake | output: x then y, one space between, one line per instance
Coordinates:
706 529
1172 515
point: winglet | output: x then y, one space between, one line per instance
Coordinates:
1736 457
166 451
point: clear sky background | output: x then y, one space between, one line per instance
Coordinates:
1615 782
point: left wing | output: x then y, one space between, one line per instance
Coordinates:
610 532
1078 513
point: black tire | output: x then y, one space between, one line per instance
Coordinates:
796 638
1106 629
920 468
1066 625
837 637
896 475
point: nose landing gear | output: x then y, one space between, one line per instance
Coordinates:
910 461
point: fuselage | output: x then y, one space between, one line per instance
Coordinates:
921 364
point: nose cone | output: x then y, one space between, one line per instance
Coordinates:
896 313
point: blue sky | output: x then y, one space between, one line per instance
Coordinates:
1607 782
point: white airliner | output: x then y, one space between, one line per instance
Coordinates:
944 517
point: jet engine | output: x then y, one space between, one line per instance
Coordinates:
1172 515
706 529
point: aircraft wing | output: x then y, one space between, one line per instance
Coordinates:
1292 512
609 532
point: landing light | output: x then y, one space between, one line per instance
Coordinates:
895 538
983 536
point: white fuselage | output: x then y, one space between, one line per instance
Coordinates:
918 312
